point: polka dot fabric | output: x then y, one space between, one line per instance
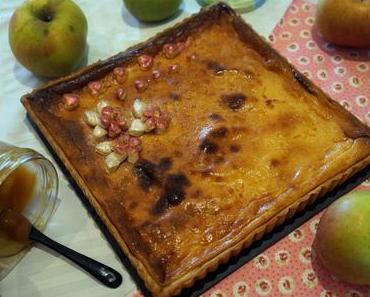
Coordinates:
342 73
290 267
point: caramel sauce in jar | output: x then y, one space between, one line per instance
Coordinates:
28 185
16 191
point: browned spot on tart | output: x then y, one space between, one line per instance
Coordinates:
174 192
234 148
215 117
220 132
274 163
234 101
208 146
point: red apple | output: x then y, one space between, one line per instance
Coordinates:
344 22
342 240
48 37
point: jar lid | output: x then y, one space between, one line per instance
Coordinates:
240 5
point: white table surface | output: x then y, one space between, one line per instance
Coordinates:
111 29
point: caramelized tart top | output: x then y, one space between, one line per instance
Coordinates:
247 137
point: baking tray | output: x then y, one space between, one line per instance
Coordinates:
235 262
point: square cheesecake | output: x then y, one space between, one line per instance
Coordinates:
193 144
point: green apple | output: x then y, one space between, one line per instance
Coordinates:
152 10
48 37
344 22
342 240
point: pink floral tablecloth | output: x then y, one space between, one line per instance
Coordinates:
290 267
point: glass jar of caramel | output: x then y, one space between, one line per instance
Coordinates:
29 185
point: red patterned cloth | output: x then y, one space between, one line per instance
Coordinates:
343 73
290 268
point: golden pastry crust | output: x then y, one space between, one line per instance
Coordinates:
250 142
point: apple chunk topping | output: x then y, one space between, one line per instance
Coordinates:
138 108
119 74
112 118
148 118
121 94
156 74
119 139
114 129
141 85
113 160
71 101
94 87
104 148
109 122
128 145
156 119
101 104
99 132
173 68
145 62
172 50
137 128
92 118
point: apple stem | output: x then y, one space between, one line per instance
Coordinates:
45 15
